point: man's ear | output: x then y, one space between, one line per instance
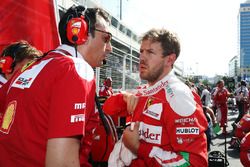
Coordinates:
170 59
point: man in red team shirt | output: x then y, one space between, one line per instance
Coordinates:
221 95
13 57
106 88
49 107
170 124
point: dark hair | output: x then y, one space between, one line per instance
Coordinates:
243 83
21 50
219 82
188 83
90 16
169 41
109 78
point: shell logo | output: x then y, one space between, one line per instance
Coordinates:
8 117
75 31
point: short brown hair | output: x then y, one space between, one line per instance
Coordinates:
169 41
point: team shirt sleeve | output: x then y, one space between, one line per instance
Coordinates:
68 104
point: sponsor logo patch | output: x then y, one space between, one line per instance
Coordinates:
149 102
79 106
8 117
154 89
181 140
187 130
150 133
27 65
185 120
77 118
154 111
23 81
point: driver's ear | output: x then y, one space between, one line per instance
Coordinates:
170 59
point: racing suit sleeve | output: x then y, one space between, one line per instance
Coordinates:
158 157
115 105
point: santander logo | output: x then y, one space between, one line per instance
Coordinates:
150 133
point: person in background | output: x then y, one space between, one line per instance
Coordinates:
106 88
194 88
214 107
206 96
221 95
15 56
49 108
207 104
241 94
191 86
211 119
168 125
103 143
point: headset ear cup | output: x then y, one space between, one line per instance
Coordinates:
77 30
6 64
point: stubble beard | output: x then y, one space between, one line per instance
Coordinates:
153 75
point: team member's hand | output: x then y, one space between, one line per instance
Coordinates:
131 101
131 138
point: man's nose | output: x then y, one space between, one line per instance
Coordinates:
108 47
142 56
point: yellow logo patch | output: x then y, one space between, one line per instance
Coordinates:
27 65
8 117
149 102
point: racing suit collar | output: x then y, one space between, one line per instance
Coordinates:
150 90
71 50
